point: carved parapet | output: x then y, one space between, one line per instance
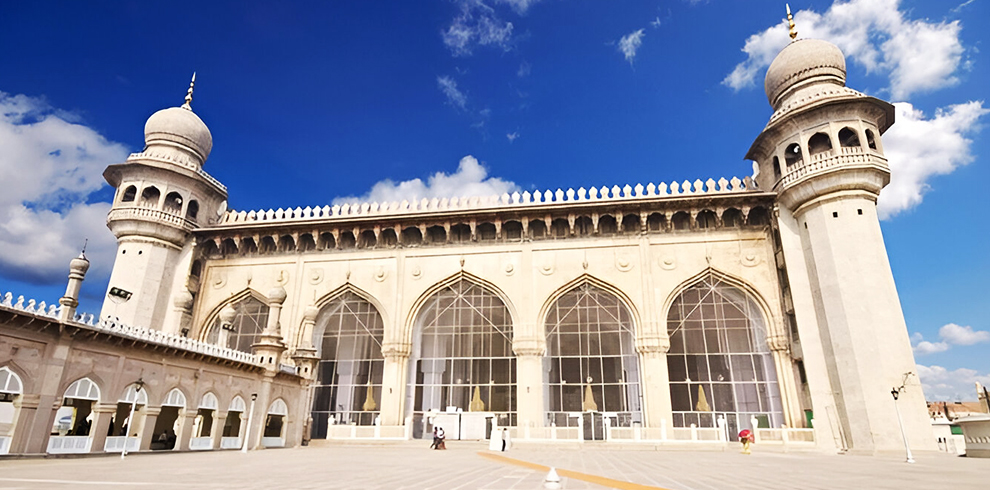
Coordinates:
306 359
652 345
529 347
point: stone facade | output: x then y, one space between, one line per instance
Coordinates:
680 312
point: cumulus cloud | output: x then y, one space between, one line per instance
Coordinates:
479 25
918 55
630 43
449 88
50 165
940 383
520 6
950 334
471 179
919 148
959 335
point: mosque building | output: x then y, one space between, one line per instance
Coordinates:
670 313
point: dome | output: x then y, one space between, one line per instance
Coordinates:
181 126
802 61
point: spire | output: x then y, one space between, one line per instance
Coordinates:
790 24
188 103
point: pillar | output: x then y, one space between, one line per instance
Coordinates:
216 431
148 431
77 272
655 379
791 407
257 420
187 416
529 381
102 414
26 407
394 382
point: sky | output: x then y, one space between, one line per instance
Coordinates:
313 103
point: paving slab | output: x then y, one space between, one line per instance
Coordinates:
467 465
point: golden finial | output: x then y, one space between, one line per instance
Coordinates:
790 23
188 103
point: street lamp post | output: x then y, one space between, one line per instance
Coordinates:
247 430
130 420
907 448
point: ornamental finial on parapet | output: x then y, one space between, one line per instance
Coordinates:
790 25
188 103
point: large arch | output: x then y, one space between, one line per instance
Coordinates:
252 316
719 362
591 363
461 356
11 388
409 326
348 336
598 283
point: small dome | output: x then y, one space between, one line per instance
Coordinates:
310 313
804 60
227 315
181 126
79 264
277 295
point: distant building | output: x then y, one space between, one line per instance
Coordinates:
681 312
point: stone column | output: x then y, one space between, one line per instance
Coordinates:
216 431
187 416
102 414
26 407
780 349
394 374
529 381
257 420
655 380
148 431
270 346
77 272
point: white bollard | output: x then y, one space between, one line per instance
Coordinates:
552 481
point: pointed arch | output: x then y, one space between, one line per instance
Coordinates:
594 281
351 288
237 404
10 382
131 394
85 388
414 312
214 314
728 279
20 374
175 398
209 402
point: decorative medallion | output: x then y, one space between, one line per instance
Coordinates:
219 279
283 278
509 269
417 272
623 263
750 259
381 274
315 276
668 263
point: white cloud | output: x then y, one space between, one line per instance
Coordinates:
49 166
520 6
471 179
524 70
918 55
512 136
478 25
655 23
919 148
958 335
925 347
958 385
630 43
455 97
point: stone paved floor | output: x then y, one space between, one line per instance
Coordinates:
409 466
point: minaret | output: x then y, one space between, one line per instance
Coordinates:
77 272
821 153
163 194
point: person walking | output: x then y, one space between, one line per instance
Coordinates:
441 436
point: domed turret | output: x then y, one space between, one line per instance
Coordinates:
179 126
802 63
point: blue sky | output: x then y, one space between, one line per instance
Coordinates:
311 102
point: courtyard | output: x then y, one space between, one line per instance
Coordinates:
469 465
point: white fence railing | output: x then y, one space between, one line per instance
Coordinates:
115 444
230 443
272 442
69 444
201 443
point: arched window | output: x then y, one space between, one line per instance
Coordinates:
10 382
173 203
11 388
192 210
719 362
327 241
848 138
656 222
681 221
732 218
792 155
871 140
591 360
512 230
149 197
367 239
560 228
267 245
74 417
758 216
230 438
462 355
537 229
819 143
630 224
707 219
250 321
168 425
306 242
436 235
387 238
286 244
274 433
460 233
607 225
776 168
347 240
129 194
411 237
583 226
486 232
348 335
